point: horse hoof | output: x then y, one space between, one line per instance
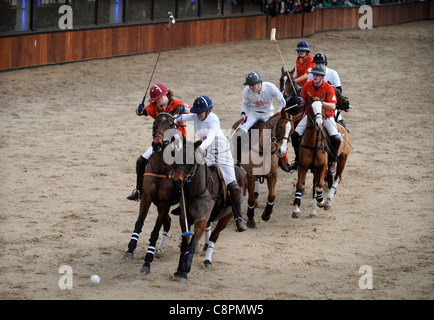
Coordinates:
265 217
145 270
251 223
328 204
207 264
180 278
128 256
320 204
296 215
312 215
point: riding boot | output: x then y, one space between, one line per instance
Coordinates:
295 139
335 142
235 197
140 170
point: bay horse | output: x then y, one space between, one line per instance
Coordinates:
313 155
204 200
158 189
262 162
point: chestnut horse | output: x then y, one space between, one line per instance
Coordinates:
313 156
269 143
204 200
158 188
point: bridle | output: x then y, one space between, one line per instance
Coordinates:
156 133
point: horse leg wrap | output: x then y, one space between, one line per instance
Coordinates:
149 257
297 197
319 195
207 235
162 241
133 241
250 212
269 208
209 251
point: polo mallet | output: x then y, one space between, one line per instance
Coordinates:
235 130
187 232
273 38
171 21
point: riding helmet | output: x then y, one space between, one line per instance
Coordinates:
252 78
320 58
201 104
302 46
157 91
319 69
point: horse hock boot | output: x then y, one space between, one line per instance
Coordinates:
140 170
333 154
235 196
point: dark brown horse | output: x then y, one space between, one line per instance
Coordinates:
289 90
158 188
267 144
204 200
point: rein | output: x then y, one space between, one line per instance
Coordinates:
322 146
274 140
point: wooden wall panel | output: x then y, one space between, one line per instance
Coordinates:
55 47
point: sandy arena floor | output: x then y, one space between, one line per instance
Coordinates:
69 139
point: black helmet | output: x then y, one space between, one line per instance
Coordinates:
253 78
201 104
320 58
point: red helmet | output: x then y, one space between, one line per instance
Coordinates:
157 91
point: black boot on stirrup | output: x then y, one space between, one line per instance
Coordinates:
235 196
140 170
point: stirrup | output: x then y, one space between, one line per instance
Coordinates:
138 197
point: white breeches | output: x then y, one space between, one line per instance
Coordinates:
252 117
147 153
220 154
329 125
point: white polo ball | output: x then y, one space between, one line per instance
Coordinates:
95 279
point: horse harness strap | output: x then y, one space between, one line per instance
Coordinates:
156 175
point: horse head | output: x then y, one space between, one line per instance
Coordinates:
163 122
343 103
280 132
316 111
289 90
